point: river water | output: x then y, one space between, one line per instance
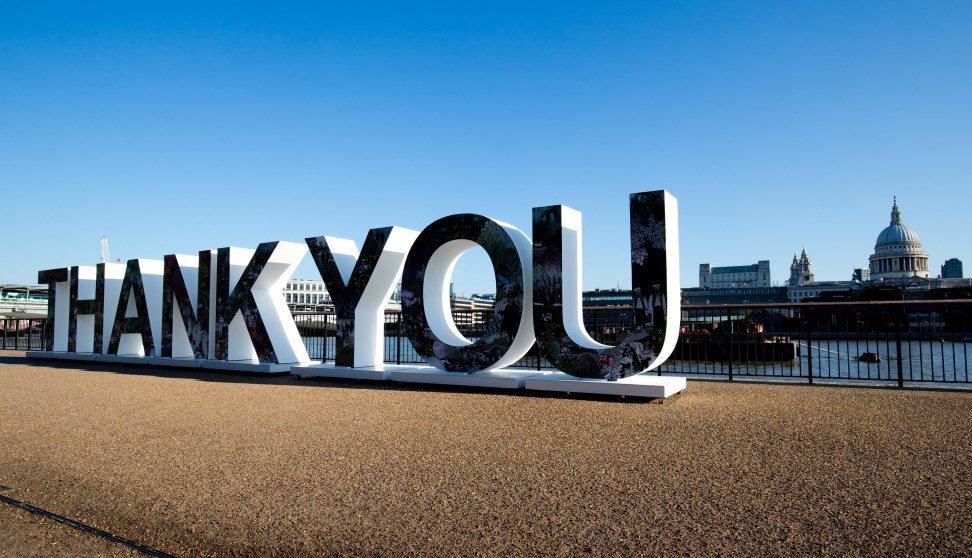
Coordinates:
931 361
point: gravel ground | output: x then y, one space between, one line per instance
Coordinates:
24 534
196 463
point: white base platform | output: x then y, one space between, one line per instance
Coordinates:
122 359
175 362
641 385
496 379
250 367
328 370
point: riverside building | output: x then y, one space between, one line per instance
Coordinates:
469 312
803 286
754 275
307 295
23 300
952 269
737 284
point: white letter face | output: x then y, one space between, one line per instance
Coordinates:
360 286
508 329
560 330
253 323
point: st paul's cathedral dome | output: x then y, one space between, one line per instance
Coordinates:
897 252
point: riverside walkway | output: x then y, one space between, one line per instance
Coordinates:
199 463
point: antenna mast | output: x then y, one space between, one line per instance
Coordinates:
105 256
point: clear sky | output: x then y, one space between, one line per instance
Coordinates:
174 128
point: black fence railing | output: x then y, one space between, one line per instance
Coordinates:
895 341
890 341
317 330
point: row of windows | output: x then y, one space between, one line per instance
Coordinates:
731 276
728 279
796 296
319 287
301 298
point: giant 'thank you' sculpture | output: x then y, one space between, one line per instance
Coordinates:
180 311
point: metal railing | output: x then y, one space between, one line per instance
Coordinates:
891 341
317 330
895 341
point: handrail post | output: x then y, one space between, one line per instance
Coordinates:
809 349
597 332
729 356
897 342
326 326
398 341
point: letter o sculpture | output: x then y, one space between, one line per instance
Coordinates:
508 329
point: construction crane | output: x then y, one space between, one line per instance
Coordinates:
105 256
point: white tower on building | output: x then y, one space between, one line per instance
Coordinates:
801 270
105 255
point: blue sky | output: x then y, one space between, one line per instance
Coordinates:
173 128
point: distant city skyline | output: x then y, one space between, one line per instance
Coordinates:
802 257
474 269
776 126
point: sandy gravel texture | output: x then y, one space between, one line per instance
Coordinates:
23 534
209 464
